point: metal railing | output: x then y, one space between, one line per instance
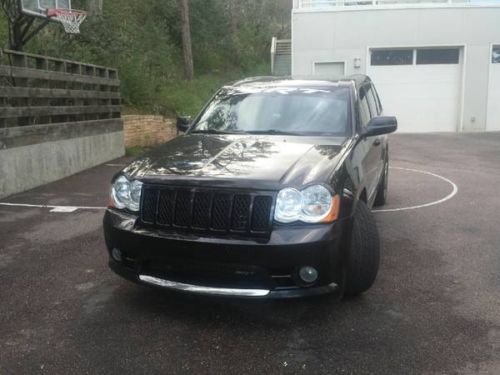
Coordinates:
281 51
321 4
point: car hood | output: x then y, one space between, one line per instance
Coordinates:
242 160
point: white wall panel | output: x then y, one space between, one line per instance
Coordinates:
493 114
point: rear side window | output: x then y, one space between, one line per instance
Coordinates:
377 99
364 109
372 101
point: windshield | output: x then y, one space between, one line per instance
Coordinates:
296 111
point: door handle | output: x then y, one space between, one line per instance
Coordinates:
376 142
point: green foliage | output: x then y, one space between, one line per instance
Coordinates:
4 33
136 151
231 40
187 97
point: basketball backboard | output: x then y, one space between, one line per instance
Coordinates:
38 8
55 10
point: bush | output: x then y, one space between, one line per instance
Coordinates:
231 40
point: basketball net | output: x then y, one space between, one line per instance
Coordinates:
71 19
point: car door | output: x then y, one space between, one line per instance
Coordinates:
377 142
369 145
363 158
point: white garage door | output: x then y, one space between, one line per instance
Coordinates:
493 116
421 86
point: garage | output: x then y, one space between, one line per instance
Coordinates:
421 86
493 114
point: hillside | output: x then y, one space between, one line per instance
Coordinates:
231 39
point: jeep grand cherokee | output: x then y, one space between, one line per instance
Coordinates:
267 194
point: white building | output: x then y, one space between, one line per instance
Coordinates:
436 64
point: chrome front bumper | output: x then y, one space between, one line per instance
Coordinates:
198 289
235 292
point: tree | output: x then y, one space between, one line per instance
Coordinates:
187 50
21 26
95 7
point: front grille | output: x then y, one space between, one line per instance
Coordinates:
206 210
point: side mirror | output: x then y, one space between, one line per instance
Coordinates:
183 123
380 125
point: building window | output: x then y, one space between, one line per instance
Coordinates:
392 57
495 55
329 69
437 55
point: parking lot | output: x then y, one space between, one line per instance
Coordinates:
434 309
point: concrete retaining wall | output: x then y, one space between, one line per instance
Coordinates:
147 130
35 155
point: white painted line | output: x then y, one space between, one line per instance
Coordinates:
50 206
448 197
75 208
114 165
67 209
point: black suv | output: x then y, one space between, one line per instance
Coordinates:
267 194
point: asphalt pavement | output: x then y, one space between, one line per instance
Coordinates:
434 309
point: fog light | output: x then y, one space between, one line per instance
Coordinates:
308 274
116 254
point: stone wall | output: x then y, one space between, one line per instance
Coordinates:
147 130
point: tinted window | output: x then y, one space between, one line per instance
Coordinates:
364 109
298 110
392 57
438 56
377 99
495 55
370 95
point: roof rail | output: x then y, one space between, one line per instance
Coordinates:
256 79
359 78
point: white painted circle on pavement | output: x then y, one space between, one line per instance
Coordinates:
433 203
68 209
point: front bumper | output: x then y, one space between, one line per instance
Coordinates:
240 267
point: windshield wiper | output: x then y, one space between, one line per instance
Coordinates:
236 131
272 131
214 131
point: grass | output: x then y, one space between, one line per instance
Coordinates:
178 97
181 97
188 97
136 151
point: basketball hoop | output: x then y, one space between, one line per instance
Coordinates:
71 19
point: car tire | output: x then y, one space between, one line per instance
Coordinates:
364 255
381 196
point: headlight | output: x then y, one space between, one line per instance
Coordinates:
288 205
314 204
126 194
